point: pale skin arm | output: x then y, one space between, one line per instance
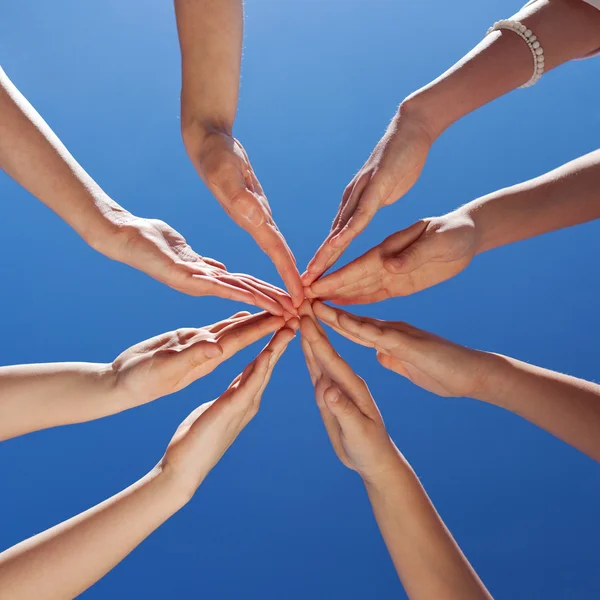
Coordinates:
435 249
64 561
565 406
501 62
39 396
32 154
210 37
428 561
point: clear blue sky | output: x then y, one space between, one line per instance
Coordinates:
279 517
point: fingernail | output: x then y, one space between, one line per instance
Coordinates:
334 395
254 216
393 264
213 351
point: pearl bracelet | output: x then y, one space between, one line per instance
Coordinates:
534 45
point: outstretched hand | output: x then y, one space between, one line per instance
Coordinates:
425 254
350 415
158 250
208 431
171 361
392 169
223 164
429 361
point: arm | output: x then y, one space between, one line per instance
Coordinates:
33 155
210 37
565 406
435 249
34 397
64 561
427 559
501 62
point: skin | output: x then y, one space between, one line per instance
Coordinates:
438 248
501 62
427 559
65 560
567 407
34 397
33 156
210 37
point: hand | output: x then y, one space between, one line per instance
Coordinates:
223 164
350 415
429 361
155 248
208 431
391 170
424 254
169 362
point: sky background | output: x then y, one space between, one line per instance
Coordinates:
280 517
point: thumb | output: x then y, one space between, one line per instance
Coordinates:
411 258
199 353
342 408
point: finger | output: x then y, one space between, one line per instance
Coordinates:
369 202
330 315
392 363
354 272
236 318
376 333
180 362
328 253
346 412
239 335
214 263
206 285
407 250
332 425
312 365
371 298
332 364
271 241
306 310
261 299
279 296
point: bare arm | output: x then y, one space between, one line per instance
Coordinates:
501 62
564 197
565 406
33 155
427 559
210 37
65 560
34 397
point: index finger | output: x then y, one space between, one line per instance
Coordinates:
244 332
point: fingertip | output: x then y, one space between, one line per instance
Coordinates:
308 329
332 395
394 264
213 350
293 324
324 312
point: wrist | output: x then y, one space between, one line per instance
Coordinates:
166 489
109 228
493 384
427 108
388 469
181 485
197 130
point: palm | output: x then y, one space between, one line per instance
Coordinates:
147 370
224 166
157 249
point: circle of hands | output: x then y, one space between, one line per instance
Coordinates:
426 253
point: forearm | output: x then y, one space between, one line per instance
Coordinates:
428 561
34 397
64 561
565 406
566 196
502 61
33 155
210 37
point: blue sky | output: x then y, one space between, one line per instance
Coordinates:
279 517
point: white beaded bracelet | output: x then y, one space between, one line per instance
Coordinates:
534 45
